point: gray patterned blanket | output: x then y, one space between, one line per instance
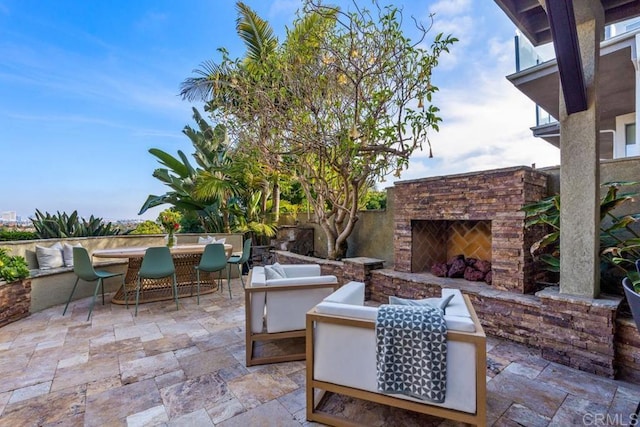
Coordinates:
412 351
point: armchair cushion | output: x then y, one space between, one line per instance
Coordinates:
440 303
275 271
285 310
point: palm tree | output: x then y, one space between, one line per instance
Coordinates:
216 84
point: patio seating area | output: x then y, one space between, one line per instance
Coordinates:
187 367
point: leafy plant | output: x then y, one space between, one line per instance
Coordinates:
147 227
619 242
12 268
11 235
63 225
634 276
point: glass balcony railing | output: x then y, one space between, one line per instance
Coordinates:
528 56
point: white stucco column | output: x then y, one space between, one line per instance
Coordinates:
580 167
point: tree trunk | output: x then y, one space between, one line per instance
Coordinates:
276 202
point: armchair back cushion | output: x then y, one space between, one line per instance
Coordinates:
286 310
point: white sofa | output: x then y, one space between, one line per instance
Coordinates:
276 308
341 357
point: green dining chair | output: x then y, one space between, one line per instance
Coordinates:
83 268
239 260
213 259
156 264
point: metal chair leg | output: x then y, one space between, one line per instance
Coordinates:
198 285
126 293
240 274
137 294
70 296
175 290
93 301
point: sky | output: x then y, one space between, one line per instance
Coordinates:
88 87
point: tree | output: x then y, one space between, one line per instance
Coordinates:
344 101
212 158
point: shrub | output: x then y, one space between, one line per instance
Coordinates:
12 268
11 235
147 227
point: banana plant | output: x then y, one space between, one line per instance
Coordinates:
619 241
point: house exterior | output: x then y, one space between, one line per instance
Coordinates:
537 77
589 88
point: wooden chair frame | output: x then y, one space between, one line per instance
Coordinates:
252 338
316 389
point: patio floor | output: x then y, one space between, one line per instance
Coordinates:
186 367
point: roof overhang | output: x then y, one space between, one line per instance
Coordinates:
531 17
616 94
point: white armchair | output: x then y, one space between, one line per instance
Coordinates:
276 308
341 358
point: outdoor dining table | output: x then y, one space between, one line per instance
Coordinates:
185 258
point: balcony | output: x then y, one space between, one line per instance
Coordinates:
537 77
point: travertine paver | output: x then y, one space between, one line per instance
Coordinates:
186 367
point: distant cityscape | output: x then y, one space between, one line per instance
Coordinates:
12 219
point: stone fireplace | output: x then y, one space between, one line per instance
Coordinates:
477 215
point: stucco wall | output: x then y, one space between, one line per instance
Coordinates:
627 169
372 236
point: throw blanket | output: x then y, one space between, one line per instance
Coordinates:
412 351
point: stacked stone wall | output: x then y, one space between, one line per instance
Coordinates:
578 332
15 301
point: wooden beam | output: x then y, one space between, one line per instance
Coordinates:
565 42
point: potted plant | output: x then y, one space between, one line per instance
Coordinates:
15 288
631 285
170 221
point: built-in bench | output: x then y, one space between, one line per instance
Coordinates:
51 287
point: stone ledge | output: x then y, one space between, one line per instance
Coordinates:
575 331
36 272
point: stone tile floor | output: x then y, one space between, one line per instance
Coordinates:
186 368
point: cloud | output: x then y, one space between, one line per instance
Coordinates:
486 120
284 8
451 7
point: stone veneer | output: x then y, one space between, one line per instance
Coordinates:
496 196
15 301
579 332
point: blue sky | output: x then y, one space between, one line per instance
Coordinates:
87 87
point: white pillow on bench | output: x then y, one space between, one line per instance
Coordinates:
49 258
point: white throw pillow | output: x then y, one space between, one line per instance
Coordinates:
219 241
440 303
67 253
49 258
270 273
205 240
279 269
